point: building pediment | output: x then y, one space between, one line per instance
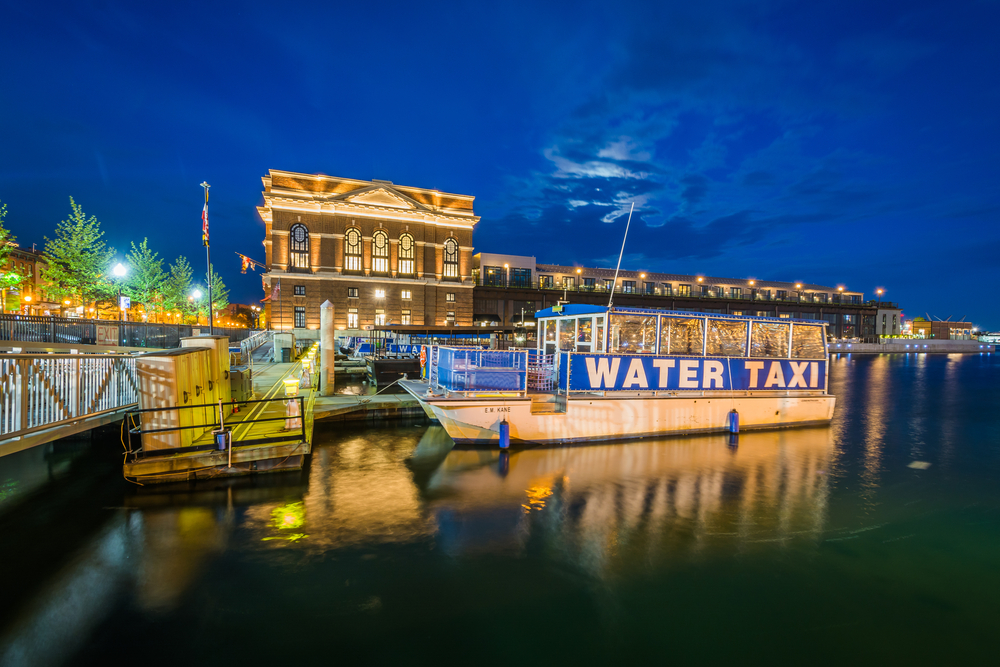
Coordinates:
381 195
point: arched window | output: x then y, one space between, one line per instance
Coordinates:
298 247
407 253
451 258
352 250
380 253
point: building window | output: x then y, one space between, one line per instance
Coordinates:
451 317
666 289
545 282
451 258
406 295
649 288
683 290
494 276
300 317
380 253
781 294
588 284
352 250
628 287
520 277
569 282
609 284
407 253
405 317
379 317
450 296
352 292
298 247
300 290
785 316
736 292
352 318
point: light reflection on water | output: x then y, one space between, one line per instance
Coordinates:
391 536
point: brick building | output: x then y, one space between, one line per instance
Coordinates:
380 253
30 298
512 287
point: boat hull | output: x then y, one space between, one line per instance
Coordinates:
594 418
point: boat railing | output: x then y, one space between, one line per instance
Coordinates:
471 369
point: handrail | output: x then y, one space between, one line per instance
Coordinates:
40 391
234 422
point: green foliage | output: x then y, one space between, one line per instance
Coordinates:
220 294
5 236
78 260
178 288
146 278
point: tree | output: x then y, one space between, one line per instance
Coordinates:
220 293
8 279
78 260
146 279
177 287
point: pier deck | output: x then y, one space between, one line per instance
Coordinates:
267 445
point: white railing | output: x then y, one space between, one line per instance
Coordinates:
40 391
251 343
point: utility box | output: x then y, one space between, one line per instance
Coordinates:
216 378
168 379
241 383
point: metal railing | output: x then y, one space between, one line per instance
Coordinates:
41 329
40 391
251 343
232 423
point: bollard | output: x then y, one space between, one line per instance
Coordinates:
504 434
293 420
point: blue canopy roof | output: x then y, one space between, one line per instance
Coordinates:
570 310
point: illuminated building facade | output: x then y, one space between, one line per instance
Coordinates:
510 287
380 253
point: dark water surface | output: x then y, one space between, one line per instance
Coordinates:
801 546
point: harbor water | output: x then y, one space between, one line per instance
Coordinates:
872 541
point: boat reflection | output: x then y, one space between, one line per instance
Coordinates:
647 499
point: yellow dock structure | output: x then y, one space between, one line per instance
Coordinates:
264 438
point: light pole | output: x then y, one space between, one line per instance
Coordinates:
195 297
120 272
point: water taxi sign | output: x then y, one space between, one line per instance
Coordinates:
629 372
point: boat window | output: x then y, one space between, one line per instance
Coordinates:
682 335
584 329
567 335
599 342
807 342
550 337
726 338
769 339
633 334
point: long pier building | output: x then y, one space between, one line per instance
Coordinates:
510 288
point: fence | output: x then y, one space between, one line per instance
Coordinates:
39 391
472 369
39 329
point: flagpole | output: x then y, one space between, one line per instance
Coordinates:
208 259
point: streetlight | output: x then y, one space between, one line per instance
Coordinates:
120 272
506 268
195 296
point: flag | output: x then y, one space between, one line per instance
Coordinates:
276 290
204 224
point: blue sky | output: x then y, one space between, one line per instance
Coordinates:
846 143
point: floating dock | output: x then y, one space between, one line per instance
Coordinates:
261 438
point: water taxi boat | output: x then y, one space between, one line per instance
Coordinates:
611 373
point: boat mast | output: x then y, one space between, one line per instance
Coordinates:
612 297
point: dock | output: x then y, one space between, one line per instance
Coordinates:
260 440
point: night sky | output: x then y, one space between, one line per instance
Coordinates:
850 143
